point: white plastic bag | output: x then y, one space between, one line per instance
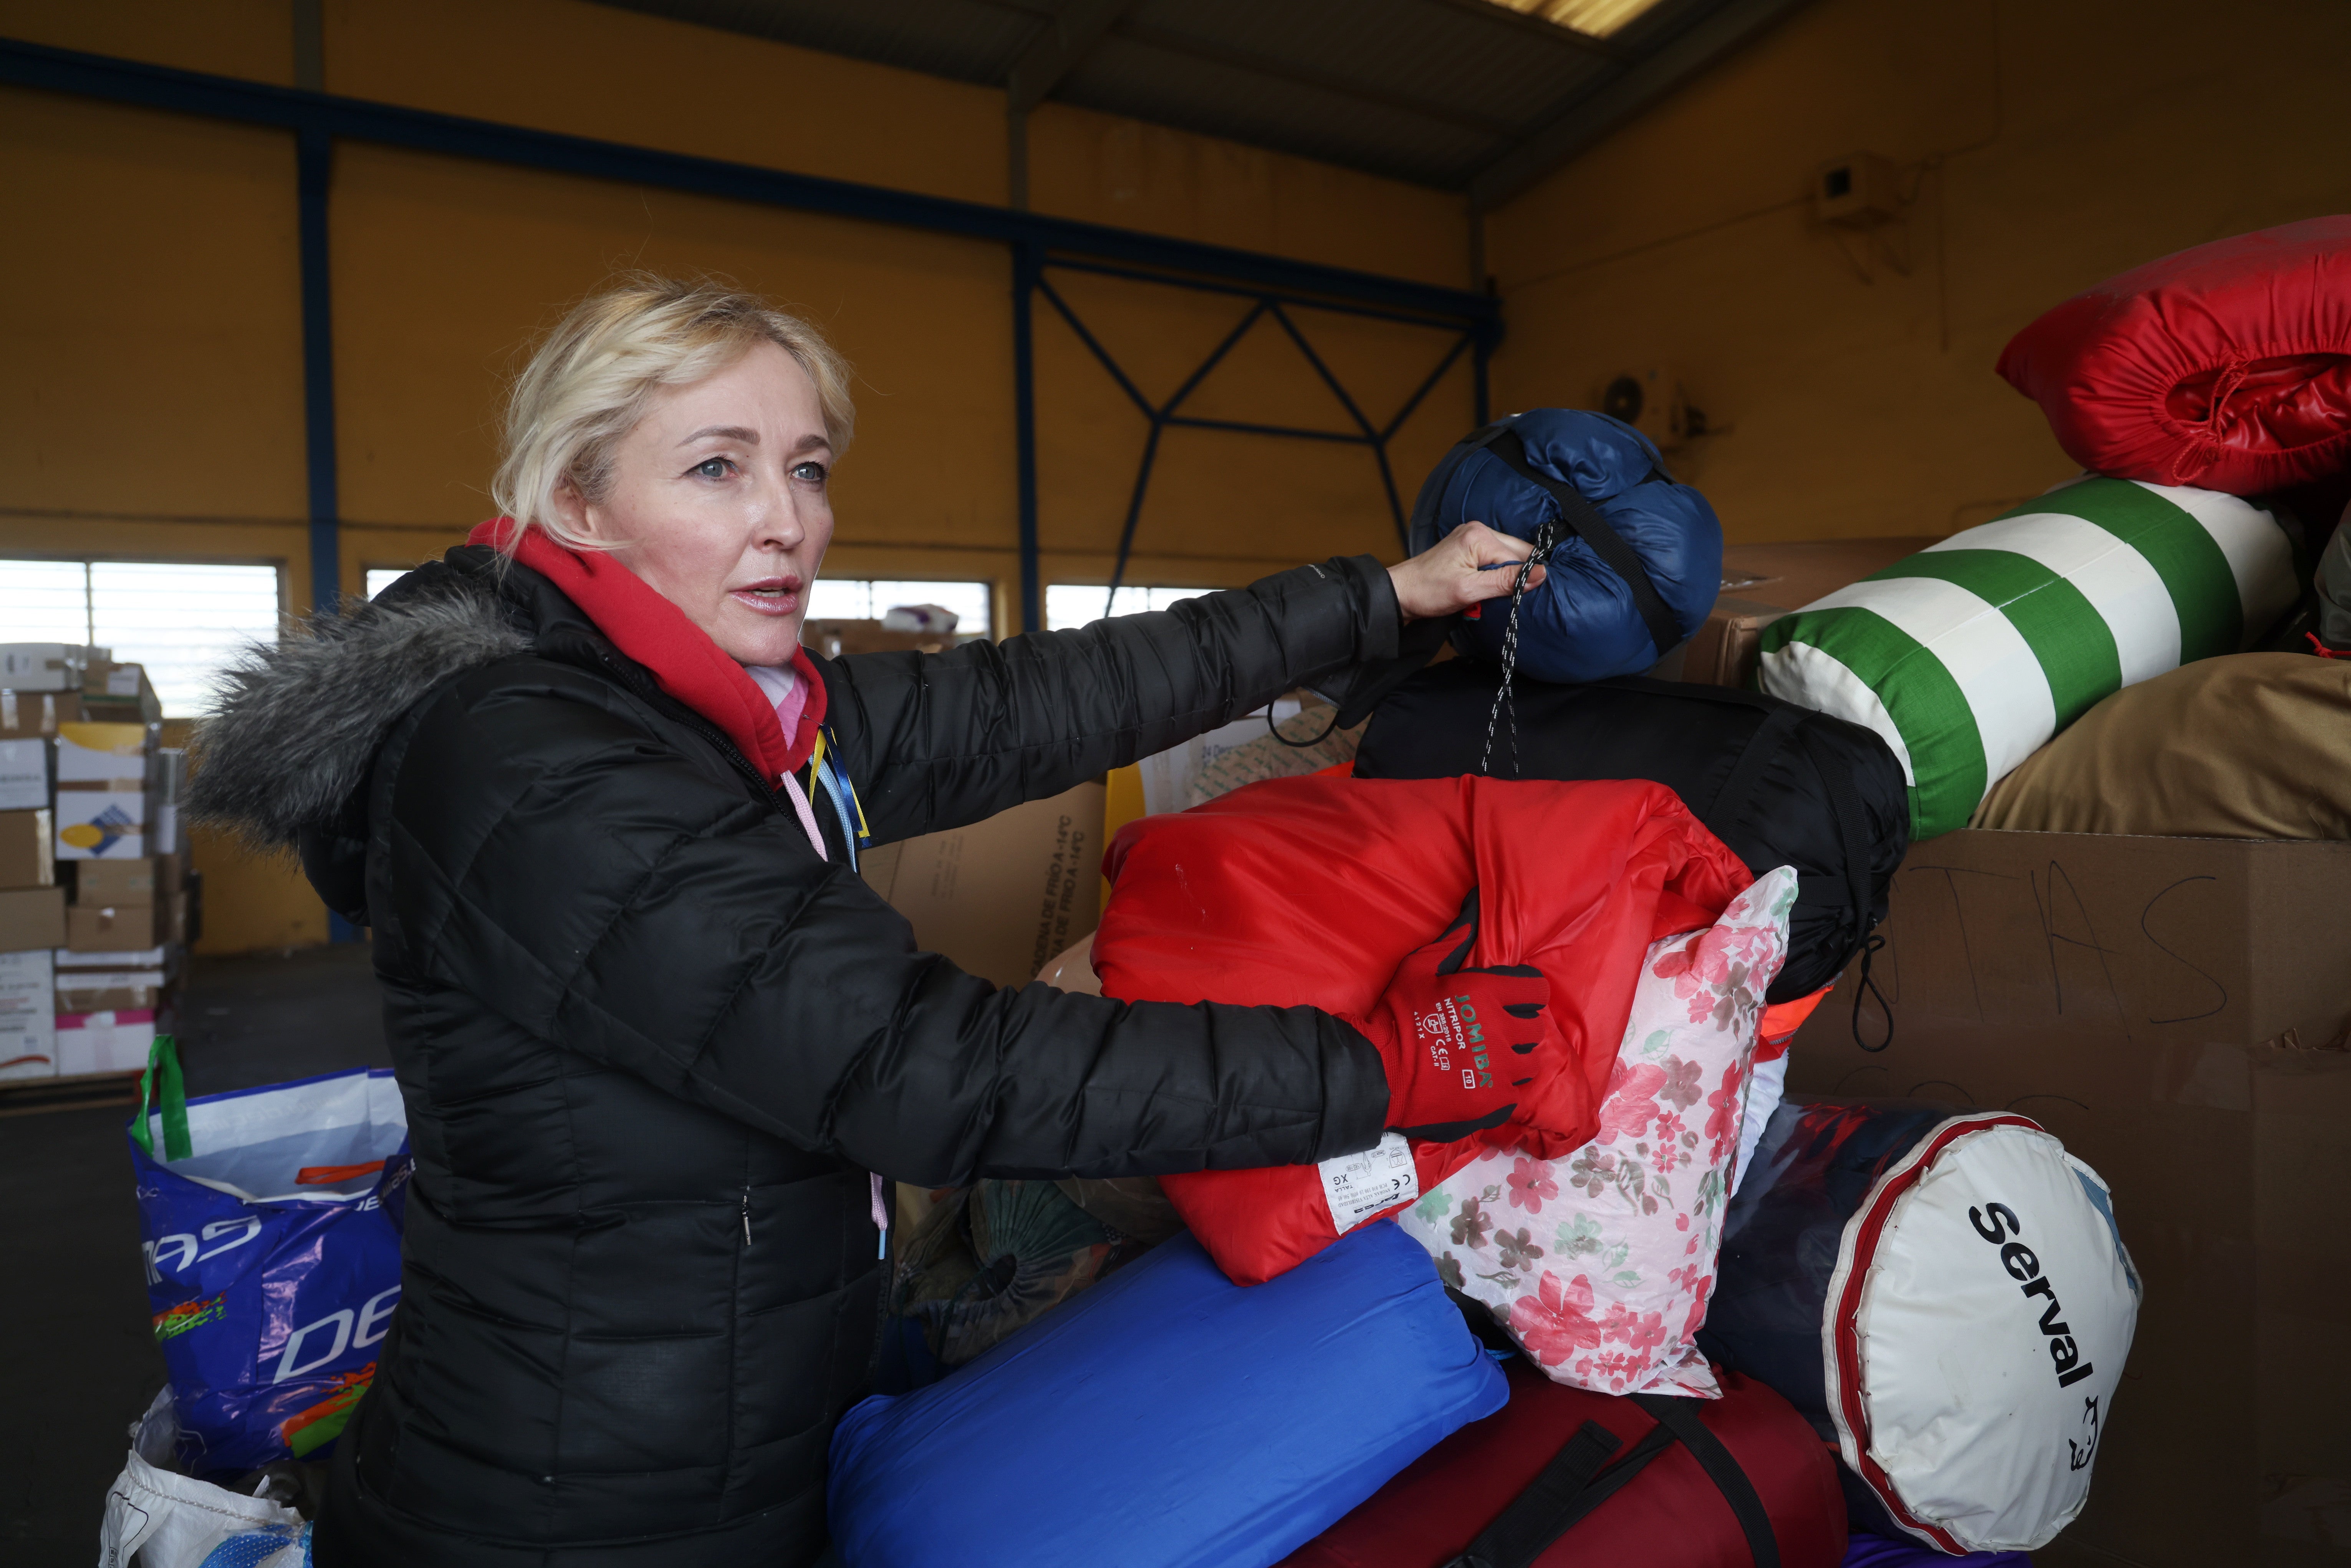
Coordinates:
165 1520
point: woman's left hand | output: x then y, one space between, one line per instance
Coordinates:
1450 577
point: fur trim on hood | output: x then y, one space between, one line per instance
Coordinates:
297 726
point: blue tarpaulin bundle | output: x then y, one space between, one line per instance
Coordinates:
1168 1419
1639 560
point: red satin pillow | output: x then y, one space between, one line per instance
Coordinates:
1312 890
2227 367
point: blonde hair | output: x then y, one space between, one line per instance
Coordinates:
587 384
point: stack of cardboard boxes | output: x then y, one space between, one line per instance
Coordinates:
94 901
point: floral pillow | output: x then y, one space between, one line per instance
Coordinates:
1599 1264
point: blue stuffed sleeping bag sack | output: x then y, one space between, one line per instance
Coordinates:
1638 560
1168 1419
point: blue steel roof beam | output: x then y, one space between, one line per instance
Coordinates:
1323 370
1345 437
1149 412
1447 322
1215 357
1425 387
1133 513
259 103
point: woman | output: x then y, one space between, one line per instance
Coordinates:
659 1045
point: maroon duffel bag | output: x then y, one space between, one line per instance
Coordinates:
1562 1476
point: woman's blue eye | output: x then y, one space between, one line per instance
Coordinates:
811 472
713 468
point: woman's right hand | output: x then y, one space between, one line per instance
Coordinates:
1462 1046
1468 566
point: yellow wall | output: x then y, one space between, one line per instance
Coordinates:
154 406
444 267
2048 144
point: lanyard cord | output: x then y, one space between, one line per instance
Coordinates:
837 789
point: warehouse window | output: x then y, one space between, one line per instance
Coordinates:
840 598
1597 17
1071 605
180 620
869 599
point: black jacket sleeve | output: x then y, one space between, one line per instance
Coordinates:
935 741
549 854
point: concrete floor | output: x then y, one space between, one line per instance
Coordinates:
78 1361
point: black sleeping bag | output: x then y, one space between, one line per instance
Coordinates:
1778 784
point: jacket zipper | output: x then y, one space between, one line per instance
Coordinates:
700 726
747 1218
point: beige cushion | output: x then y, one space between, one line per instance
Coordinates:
2244 746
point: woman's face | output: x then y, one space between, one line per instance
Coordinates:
720 490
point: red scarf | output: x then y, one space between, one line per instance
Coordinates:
683 659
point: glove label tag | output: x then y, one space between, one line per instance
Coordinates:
1358 1187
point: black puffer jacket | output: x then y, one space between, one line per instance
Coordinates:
651 1045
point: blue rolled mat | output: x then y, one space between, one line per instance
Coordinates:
1168 1419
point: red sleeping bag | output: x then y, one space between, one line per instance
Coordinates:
1312 891
2227 367
1672 1514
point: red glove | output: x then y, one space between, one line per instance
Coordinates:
1459 1043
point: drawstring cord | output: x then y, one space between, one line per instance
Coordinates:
1546 538
1275 730
1868 951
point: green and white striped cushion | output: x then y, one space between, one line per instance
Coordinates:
1969 655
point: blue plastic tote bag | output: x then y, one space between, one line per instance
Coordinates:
271 1228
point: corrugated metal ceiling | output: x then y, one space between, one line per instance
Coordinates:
1456 94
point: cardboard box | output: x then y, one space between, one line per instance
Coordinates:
24 713
44 667
107 990
101 824
2179 1011
71 965
1762 582
120 693
109 756
113 928
28 1020
114 1041
1000 897
25 780
149 880
32 918
28 849
834 638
